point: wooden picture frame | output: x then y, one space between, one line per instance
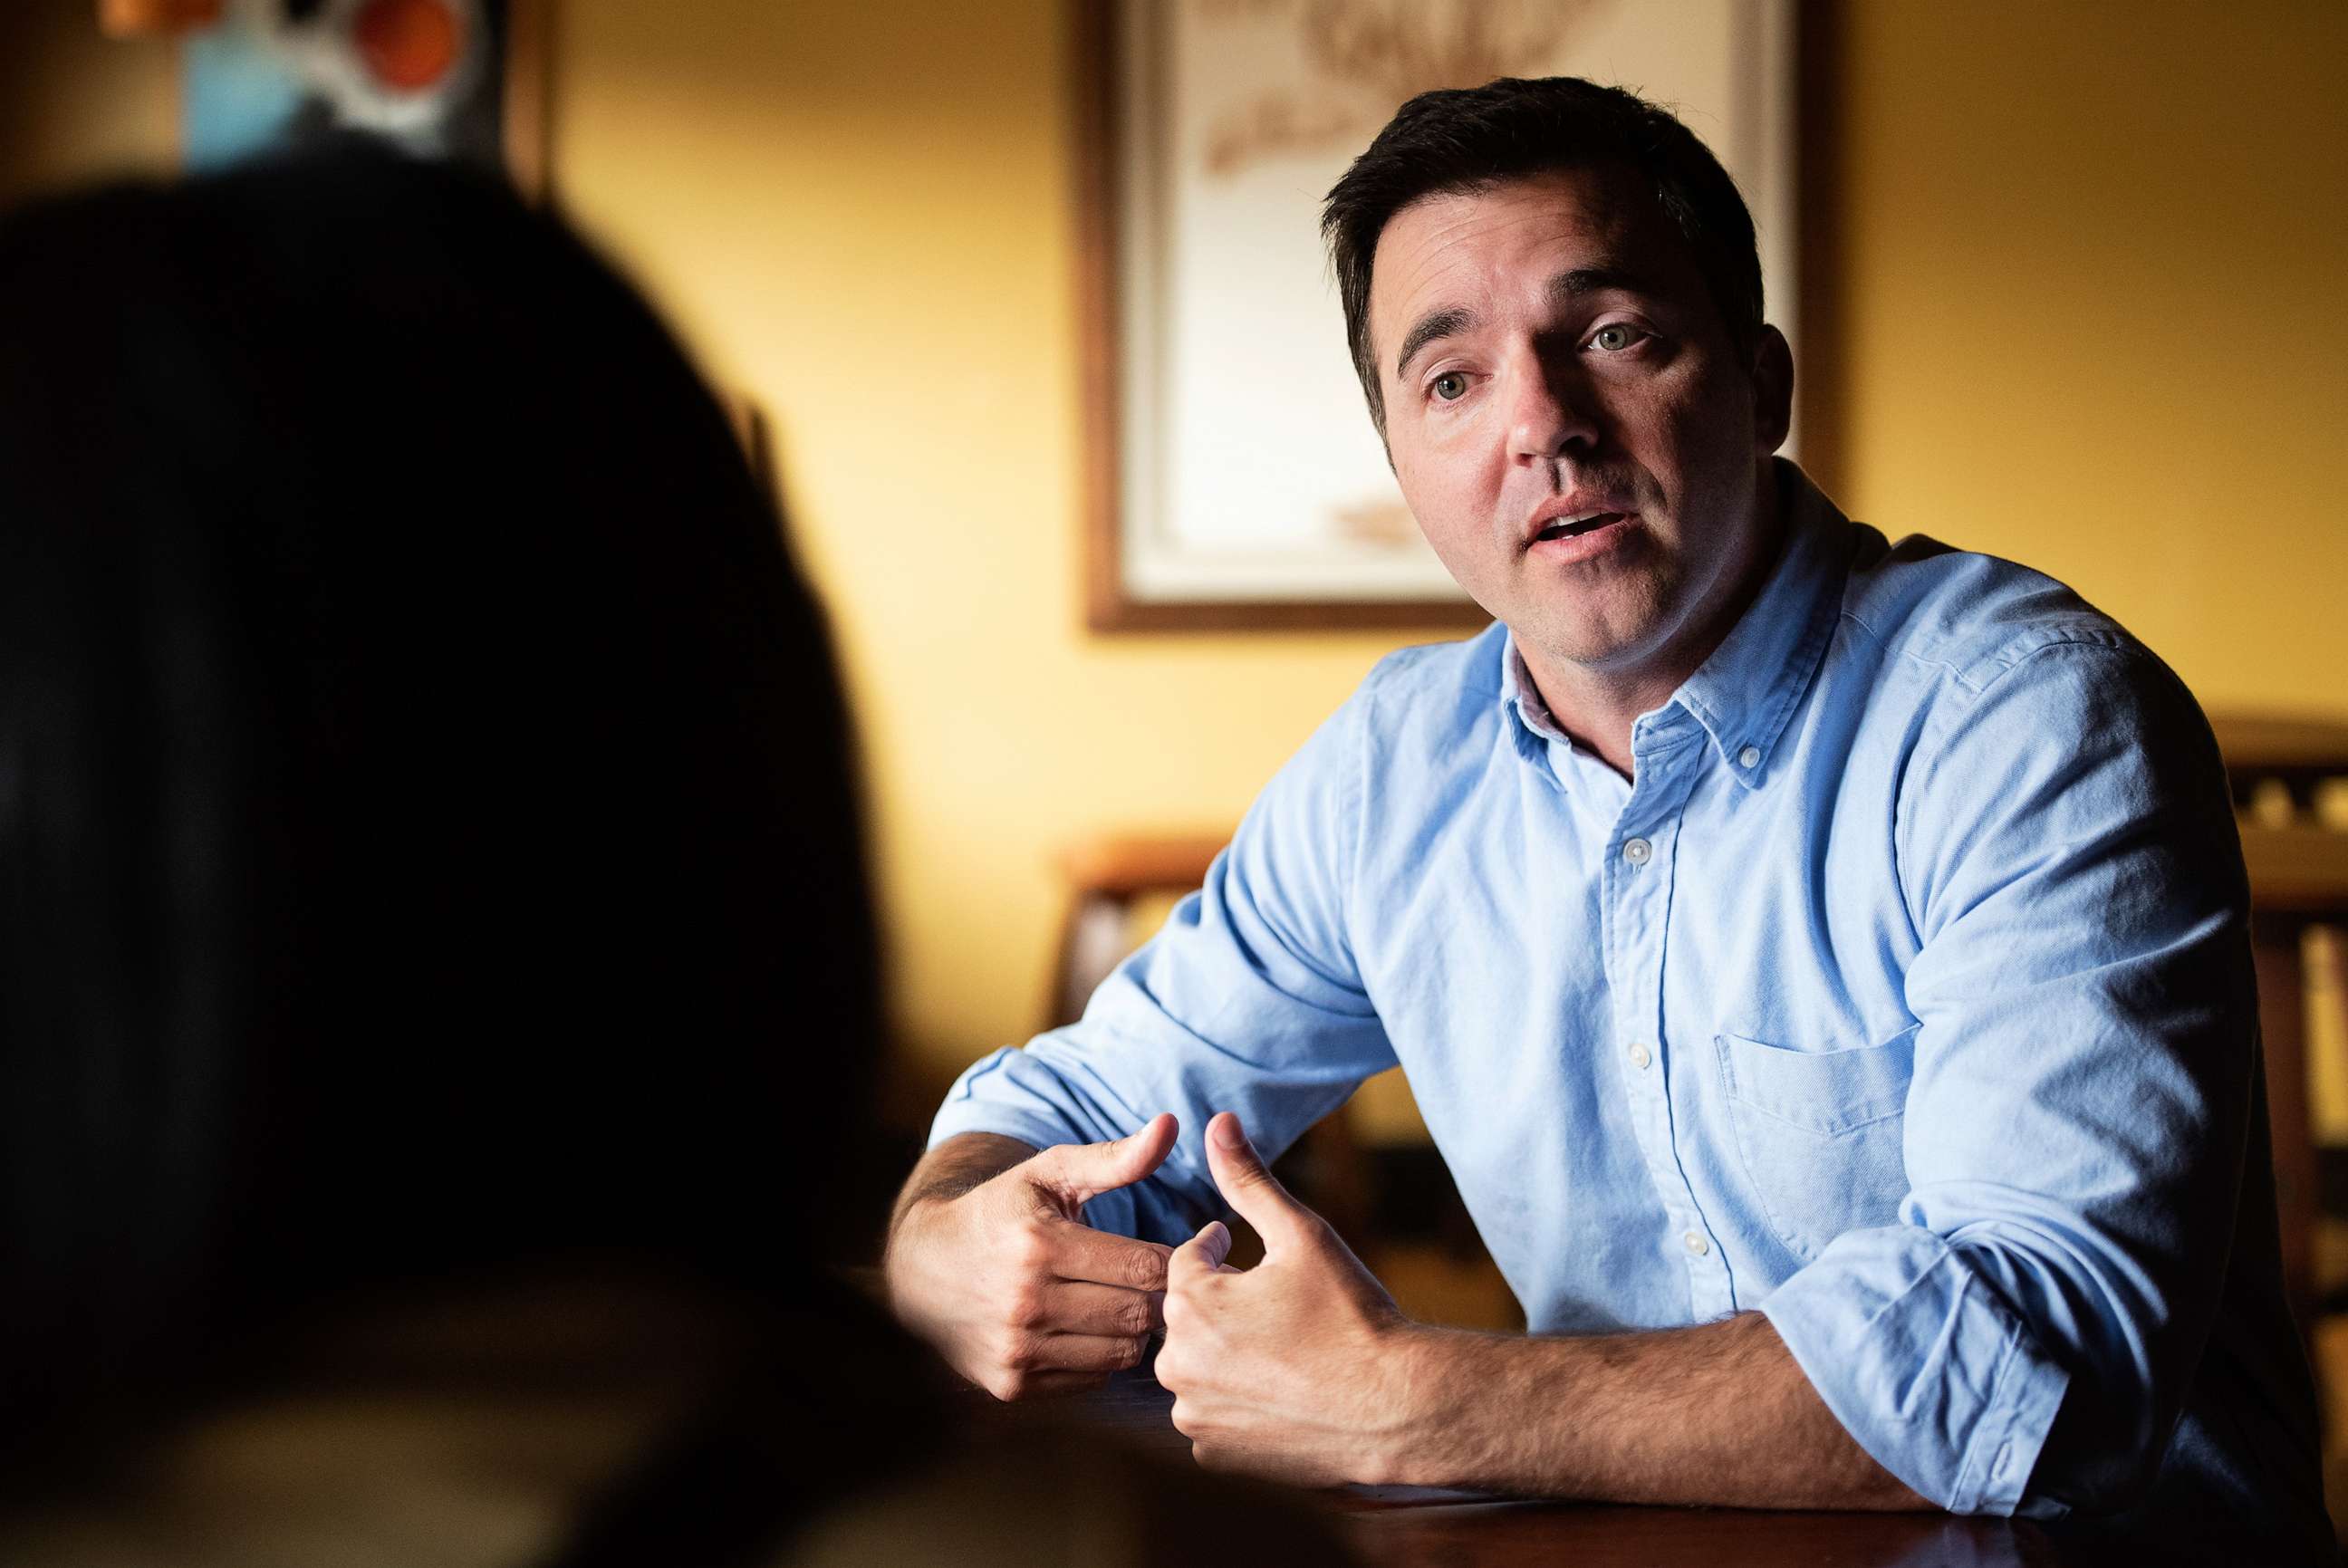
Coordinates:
1206 132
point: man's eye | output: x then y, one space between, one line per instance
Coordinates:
1616 337
1450 385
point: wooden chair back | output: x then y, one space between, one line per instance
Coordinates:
1109 877
2280 771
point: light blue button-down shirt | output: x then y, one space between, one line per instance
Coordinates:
1903 995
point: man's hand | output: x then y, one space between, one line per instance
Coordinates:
1292 1369
1303 1369
1015 1290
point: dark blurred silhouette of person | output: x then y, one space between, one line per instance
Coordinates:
438 980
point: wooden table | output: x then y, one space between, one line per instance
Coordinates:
1472 1535
1404 1528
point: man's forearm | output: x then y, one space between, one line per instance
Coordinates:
965 1160
1718 1413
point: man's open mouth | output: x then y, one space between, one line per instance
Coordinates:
1576 529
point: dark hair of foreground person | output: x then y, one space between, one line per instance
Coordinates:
429 869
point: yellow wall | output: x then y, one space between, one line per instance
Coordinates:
2082 265
2095 254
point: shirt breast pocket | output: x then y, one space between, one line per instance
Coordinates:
1820 1133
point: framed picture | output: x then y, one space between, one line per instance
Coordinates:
455 79
1235 481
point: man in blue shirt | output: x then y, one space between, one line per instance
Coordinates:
1823 964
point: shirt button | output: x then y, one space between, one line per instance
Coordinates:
1697 1245
1641 1056
1637 851
1749 758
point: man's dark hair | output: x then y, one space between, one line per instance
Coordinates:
1468 138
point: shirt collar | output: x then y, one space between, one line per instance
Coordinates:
1746 691
1520 695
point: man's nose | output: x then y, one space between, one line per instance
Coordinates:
1549 413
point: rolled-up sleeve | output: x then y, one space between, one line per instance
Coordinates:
2020 1341
1249 1001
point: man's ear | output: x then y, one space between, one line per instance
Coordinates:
1773 390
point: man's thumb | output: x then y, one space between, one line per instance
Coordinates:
1202 1254
1080 1172
1252 1189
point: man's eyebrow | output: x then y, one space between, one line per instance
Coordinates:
1583 281
1435 323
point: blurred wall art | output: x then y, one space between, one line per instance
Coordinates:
441 79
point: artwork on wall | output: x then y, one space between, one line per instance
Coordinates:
1235 481
450 78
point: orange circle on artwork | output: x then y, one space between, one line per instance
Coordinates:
408 44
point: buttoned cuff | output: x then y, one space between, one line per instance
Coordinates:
1926 1366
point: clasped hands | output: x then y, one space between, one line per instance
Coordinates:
1295 1369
